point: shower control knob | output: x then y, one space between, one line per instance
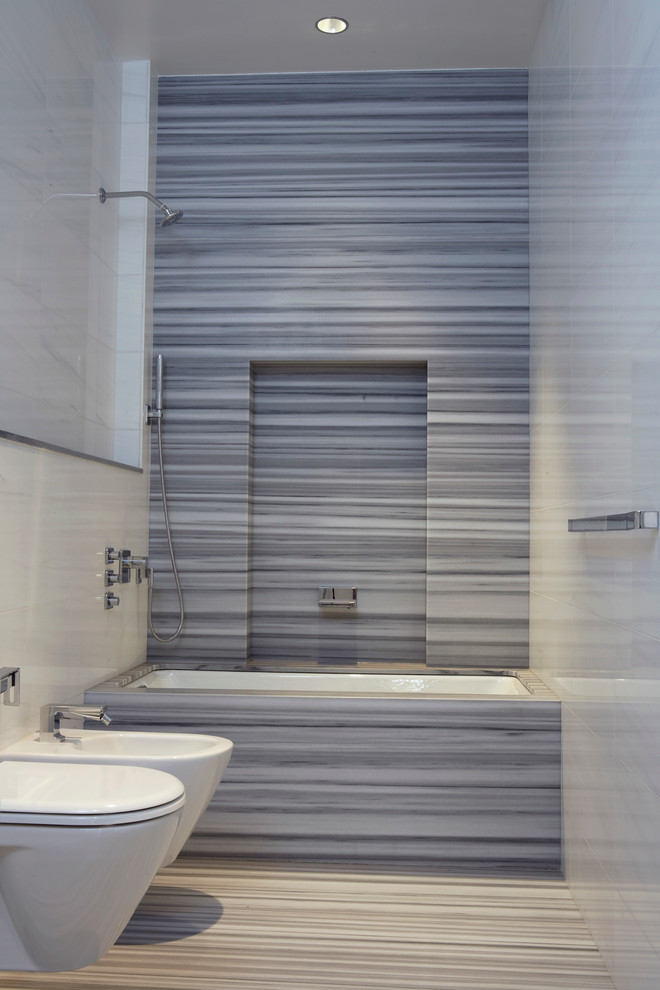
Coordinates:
110 600
122 559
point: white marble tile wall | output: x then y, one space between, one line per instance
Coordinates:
61 99
595 302
348 217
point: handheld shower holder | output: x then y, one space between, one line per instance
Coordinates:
152 415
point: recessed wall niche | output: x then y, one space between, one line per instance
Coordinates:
338 498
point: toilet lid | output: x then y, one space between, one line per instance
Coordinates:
84 794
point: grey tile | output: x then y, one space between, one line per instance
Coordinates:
375 220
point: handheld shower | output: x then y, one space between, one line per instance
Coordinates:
159 385
153 414
169 216
155 418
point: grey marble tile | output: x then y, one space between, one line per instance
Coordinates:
205 923
434 783
338 499
378 221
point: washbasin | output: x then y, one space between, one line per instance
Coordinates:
198 761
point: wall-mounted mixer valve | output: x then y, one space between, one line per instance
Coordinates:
120 564
120 572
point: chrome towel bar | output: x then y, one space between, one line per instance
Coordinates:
637 519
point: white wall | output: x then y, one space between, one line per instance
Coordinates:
595 264
62 272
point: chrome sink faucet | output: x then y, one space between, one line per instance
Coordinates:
51 716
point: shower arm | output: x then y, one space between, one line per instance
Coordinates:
104 194
170 216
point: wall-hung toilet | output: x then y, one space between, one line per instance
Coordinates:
79 845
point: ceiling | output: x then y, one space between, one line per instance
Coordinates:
218 36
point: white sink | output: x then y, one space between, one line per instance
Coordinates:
198 761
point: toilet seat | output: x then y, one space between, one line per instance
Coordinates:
85 795
79 846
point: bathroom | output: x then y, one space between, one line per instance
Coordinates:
79 104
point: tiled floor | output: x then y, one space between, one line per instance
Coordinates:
206 925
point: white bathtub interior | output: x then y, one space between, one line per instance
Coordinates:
423 685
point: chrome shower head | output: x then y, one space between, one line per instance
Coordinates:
169 216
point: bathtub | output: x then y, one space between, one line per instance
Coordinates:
434 771
499 683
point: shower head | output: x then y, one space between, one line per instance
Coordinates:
169 216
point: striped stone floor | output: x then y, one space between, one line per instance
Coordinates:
207 925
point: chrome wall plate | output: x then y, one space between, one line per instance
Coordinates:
337 597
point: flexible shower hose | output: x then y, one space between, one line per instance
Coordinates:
168 531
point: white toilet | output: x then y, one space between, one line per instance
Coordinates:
79 845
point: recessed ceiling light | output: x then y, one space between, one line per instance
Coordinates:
332 25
